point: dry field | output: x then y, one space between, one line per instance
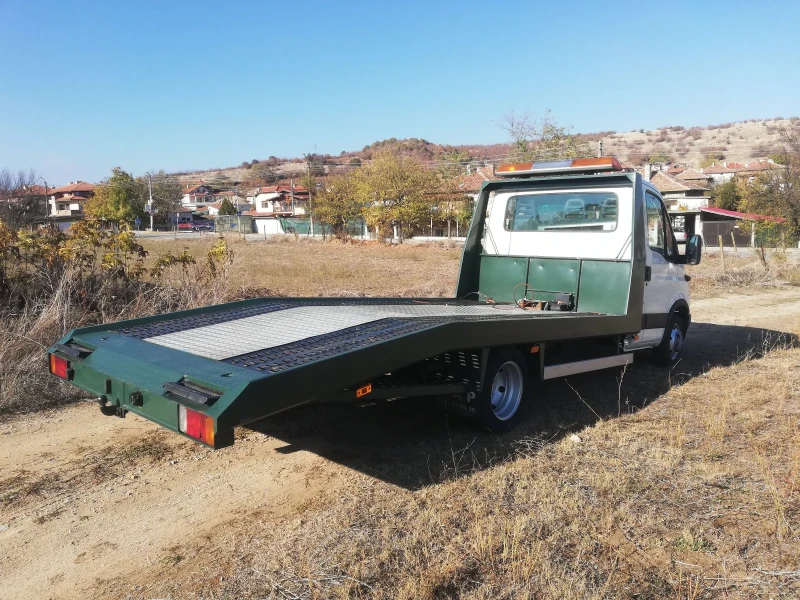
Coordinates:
681 484
284 266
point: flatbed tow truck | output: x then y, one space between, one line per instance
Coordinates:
568 267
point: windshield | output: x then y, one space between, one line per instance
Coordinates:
562 211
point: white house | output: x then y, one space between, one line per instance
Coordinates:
195 196
719 173
280 200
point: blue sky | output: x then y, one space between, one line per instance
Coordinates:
86 86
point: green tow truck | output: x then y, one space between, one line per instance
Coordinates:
568 267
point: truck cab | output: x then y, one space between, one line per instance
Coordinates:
574 230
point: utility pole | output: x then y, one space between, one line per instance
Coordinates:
291 193
308 179
47 203
150 205
600 148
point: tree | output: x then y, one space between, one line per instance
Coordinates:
541 140
339 203
396 191
711 158
227 207
167 194
451 201
21 201
777 192
118 199
727 195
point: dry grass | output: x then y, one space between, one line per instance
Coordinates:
283 266
286 266
743 273
695 496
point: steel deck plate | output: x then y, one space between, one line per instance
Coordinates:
241 335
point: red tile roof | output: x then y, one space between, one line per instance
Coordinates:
735 166
675 170
298 189
717 170
740 215
761 165
670 183
692 175
80 186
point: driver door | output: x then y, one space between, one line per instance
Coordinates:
666 279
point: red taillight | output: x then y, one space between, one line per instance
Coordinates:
196 424
59 366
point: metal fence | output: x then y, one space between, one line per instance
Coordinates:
234 223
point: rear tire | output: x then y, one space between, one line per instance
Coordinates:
506 387
668 352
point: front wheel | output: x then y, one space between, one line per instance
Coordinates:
668 351
506 385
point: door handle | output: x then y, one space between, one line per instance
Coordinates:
648 273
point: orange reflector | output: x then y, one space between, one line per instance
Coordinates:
608 162
534 349
510 168
195 424
59 366
363 391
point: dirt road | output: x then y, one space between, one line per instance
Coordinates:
90 506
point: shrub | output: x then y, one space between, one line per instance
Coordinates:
51 282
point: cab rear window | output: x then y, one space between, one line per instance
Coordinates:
562 211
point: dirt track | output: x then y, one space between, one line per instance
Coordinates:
90 509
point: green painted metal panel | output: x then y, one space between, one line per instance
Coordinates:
553 275
604 287
501 274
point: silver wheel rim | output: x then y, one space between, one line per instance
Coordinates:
506 391
675 341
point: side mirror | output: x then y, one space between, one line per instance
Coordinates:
694 250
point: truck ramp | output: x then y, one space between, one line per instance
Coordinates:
243 361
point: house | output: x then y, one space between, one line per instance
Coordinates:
680 193
196 195
719 173
472 182
240 204
280 200
182 215
757 167
696 177
683 199
65 203
24 205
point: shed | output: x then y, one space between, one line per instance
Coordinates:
718 222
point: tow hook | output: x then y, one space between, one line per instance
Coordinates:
110 410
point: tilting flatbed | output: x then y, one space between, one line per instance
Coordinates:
202 372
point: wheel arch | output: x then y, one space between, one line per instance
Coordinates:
681 308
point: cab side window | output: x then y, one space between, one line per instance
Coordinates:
655 225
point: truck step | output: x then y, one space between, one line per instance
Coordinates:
583 366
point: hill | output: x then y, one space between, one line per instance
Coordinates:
733 142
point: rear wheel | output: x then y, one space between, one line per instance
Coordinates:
505 387
668 351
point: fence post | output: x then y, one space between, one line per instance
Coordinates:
733 239
722 252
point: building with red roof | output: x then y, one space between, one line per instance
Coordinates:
66 203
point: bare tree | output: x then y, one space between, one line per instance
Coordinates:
22 202
541 140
